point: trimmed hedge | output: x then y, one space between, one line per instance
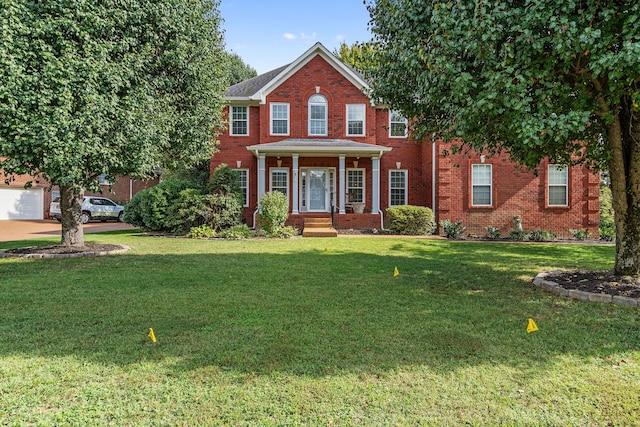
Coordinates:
410 220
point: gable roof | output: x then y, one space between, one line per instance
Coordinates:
257 88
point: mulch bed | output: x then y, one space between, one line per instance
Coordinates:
62 249
598 282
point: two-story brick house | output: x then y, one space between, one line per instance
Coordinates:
309 130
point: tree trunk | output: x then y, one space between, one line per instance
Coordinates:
71 212
623 141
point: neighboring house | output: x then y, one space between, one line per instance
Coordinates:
16 202
309 130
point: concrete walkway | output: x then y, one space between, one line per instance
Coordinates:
28 229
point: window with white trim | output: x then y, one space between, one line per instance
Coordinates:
317 115
558 183
279 118
280 180
398 187
239 120
355 119
397 124
355 185
102 179
243 178
481 185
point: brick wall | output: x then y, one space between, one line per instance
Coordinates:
516 192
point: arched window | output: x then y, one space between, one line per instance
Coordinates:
317 115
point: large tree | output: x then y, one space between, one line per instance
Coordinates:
360 55
535 78
91 87
237 70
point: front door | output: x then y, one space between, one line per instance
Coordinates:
318 192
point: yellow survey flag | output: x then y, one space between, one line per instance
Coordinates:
532 327
395 272
152 335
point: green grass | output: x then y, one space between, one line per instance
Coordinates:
311 332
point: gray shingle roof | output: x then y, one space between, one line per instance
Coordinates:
251 86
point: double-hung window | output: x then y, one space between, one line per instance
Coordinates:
317 115
397 125
558 182
397 187
355 119
279 118
243 178
355 185
239 120
280 181
481 185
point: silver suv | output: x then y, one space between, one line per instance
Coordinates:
92 208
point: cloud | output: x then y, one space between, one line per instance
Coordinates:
340 37
308 36
303 36
289 36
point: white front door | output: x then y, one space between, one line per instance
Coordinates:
318 191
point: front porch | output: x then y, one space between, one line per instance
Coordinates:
347 221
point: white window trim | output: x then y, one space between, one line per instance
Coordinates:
246 198
406 186
326 116
364 182
484 165
364 120
271 105
286 170
406 125
231 107
566 186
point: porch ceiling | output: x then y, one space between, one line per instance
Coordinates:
318 148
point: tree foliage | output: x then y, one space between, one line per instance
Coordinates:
360 55
534 78
237 70
101 87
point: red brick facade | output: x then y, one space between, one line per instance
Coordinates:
514 192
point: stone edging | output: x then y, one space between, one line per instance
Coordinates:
122 249
555 288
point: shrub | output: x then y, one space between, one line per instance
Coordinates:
519 235
190 210
493 232
150 208
452 230
236 232
410 220
274 211
201 232
226 211
580 233
225 180
541 236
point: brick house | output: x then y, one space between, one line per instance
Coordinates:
309 130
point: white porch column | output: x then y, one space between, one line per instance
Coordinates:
295 191
343 184
375 184
261 176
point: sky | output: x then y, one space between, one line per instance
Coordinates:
268 34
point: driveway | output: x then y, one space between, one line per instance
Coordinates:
26 229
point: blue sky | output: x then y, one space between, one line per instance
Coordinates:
270 33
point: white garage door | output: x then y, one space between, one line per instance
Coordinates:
20 203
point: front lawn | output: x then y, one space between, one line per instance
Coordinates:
311 332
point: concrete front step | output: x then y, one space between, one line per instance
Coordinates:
318 227
317 223
319 232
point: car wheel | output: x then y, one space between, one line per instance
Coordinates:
121 217
86 216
